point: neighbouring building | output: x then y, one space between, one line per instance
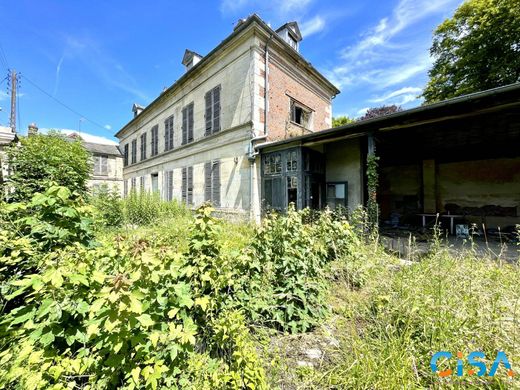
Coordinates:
107 160
457 160
196 141
7 136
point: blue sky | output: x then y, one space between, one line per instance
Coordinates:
99 57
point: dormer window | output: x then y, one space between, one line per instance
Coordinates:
190 59
290 33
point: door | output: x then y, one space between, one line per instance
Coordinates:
155 182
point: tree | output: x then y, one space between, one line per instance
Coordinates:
44 160
477 49
341 121
380 111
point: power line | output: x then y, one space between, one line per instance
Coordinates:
63 104
3 57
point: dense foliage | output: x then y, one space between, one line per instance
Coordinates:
43 160
140 313
341 121
477 49
376 112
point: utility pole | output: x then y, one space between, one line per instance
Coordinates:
14 84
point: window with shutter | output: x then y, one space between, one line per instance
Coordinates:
207 181
208 98
143 146
133 183
125 188
212 112
185 125
125 155
155 140
141 184
216 109
190 123
168 133
190 186
184 188
215 183
168 185
134 151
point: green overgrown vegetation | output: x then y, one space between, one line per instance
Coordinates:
104 293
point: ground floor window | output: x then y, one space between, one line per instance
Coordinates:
337 194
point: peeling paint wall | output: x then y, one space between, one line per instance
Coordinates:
343 163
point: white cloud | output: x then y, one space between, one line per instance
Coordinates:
57 77
363 111
312 26
384 55
87 137
407 91
108 127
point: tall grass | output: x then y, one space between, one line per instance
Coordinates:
390 328
144 208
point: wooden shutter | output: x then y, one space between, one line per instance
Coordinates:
209 113
170 134
215 183
104 165
166 137
190 123
184 185
184 125
216 109
190 186
125 156
207 181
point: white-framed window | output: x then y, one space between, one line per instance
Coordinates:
100 165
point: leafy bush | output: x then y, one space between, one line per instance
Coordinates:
129 316
108 205
44 160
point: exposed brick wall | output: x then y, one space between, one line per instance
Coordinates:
282 86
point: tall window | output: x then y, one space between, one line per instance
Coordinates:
141 184
168 185
155 141
187 185
187 124
133 184
134 151
125 188
143 146
168 133
100 165
212 113
212 182
125 155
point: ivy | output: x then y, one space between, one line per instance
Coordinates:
372 184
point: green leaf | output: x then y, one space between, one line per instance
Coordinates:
47 338
145 320
135 374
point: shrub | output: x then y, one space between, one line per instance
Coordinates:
144 208
44 160
108 205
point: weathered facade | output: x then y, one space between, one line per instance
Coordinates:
7 137
459 158
196 141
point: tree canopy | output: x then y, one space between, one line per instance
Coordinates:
477 49
380 111
341 121
44 160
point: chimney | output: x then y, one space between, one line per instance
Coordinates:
137 109
190 59
32 129
290 33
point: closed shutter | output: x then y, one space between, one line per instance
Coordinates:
209 115
190 186
184 125
190 123
216 109
168 187
125 156
170 134
104 165
184 185
166 135
215 176
207 181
